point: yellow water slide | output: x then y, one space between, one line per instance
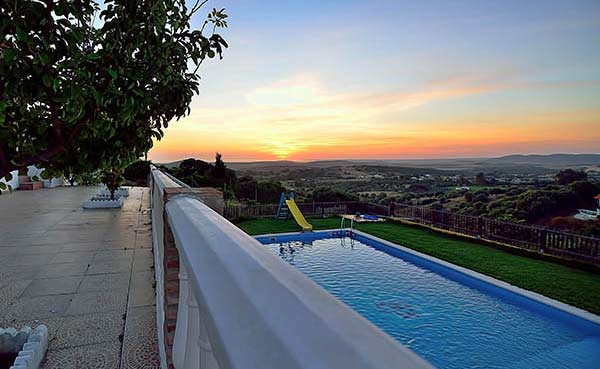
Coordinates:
297 214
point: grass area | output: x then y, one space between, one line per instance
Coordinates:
572 286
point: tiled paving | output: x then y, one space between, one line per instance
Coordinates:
86 274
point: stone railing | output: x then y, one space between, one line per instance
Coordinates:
224 301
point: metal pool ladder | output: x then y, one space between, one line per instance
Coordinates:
342 226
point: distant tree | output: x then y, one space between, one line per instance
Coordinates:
326 194
585 191
269 192
193 166
137 172
564 177
100 91
247 188
480 180
220 170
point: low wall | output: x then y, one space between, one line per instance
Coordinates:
236 305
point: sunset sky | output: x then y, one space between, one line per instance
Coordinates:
309 80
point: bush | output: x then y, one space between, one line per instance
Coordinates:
137 173
567 176
325 194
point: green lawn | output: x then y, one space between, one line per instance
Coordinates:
572 286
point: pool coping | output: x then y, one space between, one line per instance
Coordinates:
578 312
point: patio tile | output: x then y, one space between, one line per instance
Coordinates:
143 253
73 331
97 302
140 348
96 356
38 249
106 255
82 247
62 270
16 273
52 286
38 307
110 266
73 257
141 291
9 291
105 282
143 264
23 260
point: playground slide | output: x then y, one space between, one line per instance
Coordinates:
306 227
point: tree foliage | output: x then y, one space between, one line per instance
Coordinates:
81 93
198 173
567 176
326 194
112 180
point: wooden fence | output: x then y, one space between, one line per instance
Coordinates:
523 236
309 209
518 235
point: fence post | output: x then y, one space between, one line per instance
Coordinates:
542 240
479 226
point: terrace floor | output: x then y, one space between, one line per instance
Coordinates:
87 274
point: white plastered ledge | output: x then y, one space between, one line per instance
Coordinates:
262 312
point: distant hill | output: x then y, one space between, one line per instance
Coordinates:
510 163
550 161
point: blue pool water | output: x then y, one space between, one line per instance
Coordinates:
450 319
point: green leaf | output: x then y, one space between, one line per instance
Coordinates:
44 58
97 97
113 74
47 80
9 55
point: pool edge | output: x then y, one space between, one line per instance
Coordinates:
564 307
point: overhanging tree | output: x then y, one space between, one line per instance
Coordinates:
83 89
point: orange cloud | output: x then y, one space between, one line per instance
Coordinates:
297 118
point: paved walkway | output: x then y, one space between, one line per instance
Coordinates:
87 274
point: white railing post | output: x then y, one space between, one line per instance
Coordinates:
207 356
192 348
179 341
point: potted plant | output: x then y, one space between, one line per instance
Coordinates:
112 180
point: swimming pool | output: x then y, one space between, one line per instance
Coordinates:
446 315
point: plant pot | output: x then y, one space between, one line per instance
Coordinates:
103 202
120 192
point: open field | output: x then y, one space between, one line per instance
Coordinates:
572 286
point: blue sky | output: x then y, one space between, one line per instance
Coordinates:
396 79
